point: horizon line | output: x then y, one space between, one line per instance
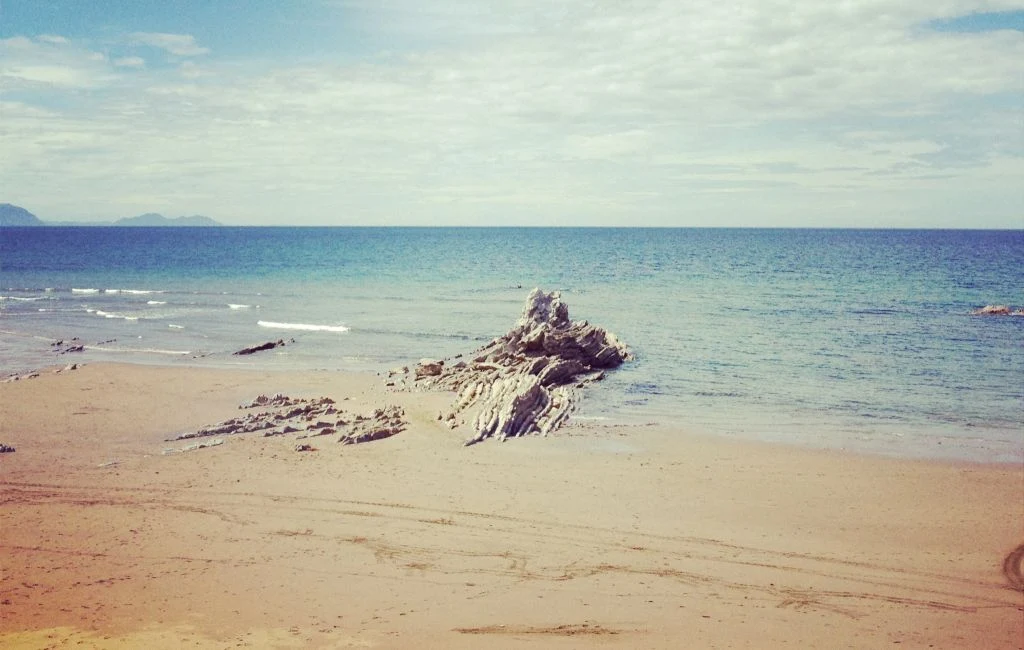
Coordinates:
94 224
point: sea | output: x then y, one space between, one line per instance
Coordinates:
857 340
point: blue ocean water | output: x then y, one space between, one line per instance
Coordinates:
836 338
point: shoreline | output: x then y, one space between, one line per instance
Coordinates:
786 336
577 426
605 535
739 430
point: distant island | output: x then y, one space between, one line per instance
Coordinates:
154 219
13 215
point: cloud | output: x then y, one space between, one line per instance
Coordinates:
745 113
130 62
51 38
50 62
176 44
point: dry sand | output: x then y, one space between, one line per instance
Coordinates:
618 537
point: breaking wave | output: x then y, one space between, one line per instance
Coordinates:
140 350
302 326
111 315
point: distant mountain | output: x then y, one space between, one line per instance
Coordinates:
12 215
154 219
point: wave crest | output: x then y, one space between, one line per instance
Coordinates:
306 327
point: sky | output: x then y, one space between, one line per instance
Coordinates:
740 113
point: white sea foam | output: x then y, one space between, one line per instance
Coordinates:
85 291
239 306
140 350
134 292
175 327
157 302
112 315
302 326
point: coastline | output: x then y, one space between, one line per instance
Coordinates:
832 336
599 535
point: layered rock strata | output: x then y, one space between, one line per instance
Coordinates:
527 381
280 415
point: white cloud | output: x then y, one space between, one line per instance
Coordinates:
52 38
49 62
745 113
130 62
176 44
189 70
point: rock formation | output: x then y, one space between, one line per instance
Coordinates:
7 380
997 310
262 347
279 415
65 347
526 381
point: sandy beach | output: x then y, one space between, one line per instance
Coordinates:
600 536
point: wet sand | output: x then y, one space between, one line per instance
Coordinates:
602 536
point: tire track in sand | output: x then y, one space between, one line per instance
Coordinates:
1012 568
696 562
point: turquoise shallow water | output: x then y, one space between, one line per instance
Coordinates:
835 338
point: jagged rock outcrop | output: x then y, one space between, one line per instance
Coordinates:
384 423
280 415
526 381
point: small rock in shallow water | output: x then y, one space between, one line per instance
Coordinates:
269 345
998 310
